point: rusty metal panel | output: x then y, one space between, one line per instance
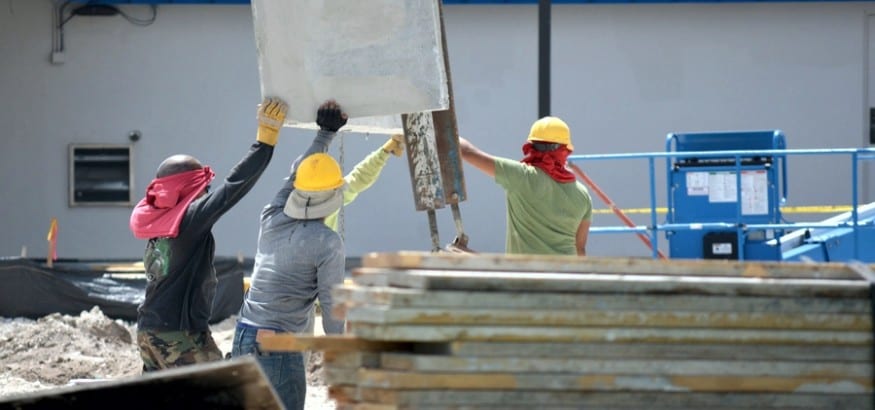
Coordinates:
447 134
422 158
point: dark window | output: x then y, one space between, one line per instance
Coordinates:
100 175
872 125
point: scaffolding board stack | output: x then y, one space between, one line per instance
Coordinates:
496 331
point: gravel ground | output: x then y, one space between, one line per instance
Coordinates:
60 350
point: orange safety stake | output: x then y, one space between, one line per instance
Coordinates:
610 204
53 242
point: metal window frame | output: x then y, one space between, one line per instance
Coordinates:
71 184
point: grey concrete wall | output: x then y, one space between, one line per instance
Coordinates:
623 77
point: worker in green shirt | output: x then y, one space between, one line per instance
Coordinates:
548 211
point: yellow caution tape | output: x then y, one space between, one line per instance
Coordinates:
810 209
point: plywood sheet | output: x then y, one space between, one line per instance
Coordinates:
532 282
575 264
586 318
545 334
378 378
579 399
432 363
354 295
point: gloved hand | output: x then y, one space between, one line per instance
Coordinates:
395 145
271 114
330 117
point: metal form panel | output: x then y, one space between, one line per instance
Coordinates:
384 60
423 161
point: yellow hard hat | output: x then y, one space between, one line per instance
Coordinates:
318 172
551 129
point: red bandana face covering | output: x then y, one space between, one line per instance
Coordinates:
551 162
160 212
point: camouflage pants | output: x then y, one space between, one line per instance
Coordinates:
166 349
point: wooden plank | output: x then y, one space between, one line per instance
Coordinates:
574 264
588 399
288 342
376 378
338 359
415 298
662 351
370 278
613 283
606 334
655 367
585 318
366 406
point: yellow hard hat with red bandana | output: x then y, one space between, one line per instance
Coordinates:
552 130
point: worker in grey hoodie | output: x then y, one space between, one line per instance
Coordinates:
298 260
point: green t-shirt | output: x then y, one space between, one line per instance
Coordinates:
542 214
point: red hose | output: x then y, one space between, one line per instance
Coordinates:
601 194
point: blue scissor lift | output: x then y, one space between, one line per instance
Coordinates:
713 214
703 190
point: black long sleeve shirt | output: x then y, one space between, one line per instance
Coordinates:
182 278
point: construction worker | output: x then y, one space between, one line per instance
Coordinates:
177 217
548 211
298 260
362 176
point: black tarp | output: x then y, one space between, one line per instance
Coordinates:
29 288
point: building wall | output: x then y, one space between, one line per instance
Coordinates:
623 77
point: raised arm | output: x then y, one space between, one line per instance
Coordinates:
479 159
244 175
330 118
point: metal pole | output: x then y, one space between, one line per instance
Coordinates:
432 227
543 58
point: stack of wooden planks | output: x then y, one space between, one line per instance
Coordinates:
500 331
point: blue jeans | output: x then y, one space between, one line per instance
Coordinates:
285 370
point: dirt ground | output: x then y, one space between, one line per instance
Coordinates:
61 350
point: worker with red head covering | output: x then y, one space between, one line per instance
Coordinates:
548 211
176 217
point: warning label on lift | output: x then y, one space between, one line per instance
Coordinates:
721 187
